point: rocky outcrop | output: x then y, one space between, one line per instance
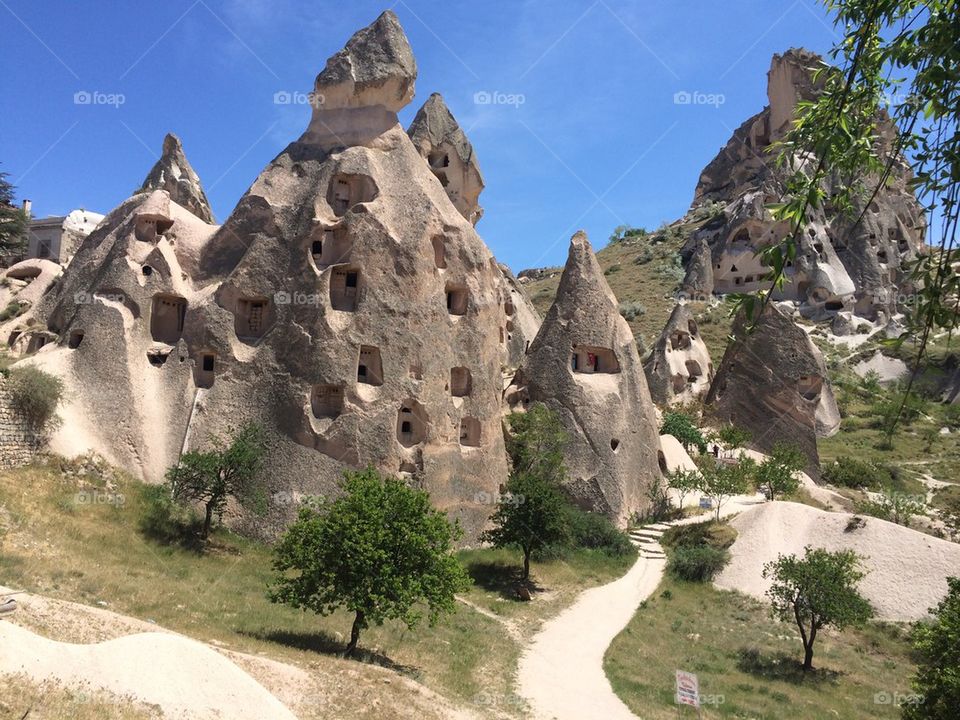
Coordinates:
345 304
840 265
773 382
443 144
523 320
584 365
174 174
679 369
697 284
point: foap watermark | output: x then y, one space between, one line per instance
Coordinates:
495 97
489 699
298 297
897 699
296 498
100 497
296 97
685 97
86 298
487 498
97 97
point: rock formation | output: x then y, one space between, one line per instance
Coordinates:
523 320
840 266
23 287
679 369
440 141
773 382
698 284
345 304
174 174
584 365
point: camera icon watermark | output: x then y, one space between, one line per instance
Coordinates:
488 498
495 97
685 97
296 97
282 297
96 97
97 497
896 699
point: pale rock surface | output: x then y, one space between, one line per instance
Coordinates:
446 149
839 266
174 174
888 369
679 369
25 283
773 382
584 365
907 569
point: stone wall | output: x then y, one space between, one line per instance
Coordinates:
18 443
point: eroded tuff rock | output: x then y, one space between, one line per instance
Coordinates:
773 382
679 369
698 282
173 173
443 144
345 304
840 266
523 319
584 365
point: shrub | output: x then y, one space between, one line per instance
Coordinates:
632 310
164 520
35 396
682 427
12 310
596 532
696 563
852 473
718 535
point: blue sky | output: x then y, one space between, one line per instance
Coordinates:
581 130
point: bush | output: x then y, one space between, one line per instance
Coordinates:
164 520
717 535
12 310
593 531
682 427
852 473
696 563
35 396
632 310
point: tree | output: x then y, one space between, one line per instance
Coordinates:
936 646
733 437
381 551
684 482
817 591
536 442
13 221
722 481
899 53
681 426
211 477
778 474
531 515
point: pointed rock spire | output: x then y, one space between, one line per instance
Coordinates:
173 173
773 382
584 365
375 67
698 282
679 369
439 138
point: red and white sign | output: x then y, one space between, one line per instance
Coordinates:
688 689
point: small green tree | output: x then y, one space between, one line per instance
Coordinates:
778 475
13 221
380 551
35 396
816 591
937 650
722 481
211 477
684 482
733 437
536 442
531 515
682 427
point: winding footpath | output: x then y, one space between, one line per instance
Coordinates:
561 672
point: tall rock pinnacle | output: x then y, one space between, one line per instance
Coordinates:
173 173
443 144
584 365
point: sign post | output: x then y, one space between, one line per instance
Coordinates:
688 691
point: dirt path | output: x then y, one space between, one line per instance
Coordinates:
561 672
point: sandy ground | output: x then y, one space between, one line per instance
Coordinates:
907 569
187 679
57 633
561 672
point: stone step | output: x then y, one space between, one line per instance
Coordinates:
654 556
658 526
646 533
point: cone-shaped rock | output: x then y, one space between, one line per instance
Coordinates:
345 305
698 283
443 144
842 266
773 382
584 365
679 369
173 173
